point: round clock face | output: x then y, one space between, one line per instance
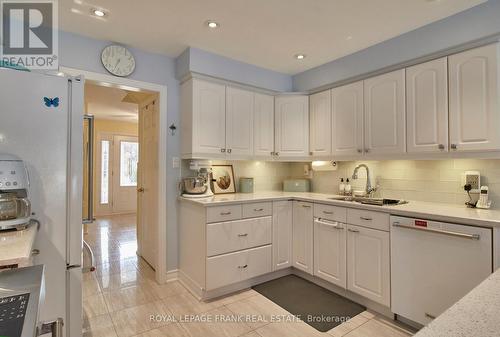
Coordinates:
118 60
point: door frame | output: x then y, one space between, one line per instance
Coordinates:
126 83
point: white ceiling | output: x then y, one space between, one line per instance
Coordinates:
106 103
265 33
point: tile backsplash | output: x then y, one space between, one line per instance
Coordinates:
424 180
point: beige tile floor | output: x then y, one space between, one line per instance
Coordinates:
122 296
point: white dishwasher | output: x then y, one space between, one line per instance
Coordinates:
434 264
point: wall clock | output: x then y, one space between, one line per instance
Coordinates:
118 60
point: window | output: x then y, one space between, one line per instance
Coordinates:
129 156
104 172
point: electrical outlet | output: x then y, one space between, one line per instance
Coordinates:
176 162
472 178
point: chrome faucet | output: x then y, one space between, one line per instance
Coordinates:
369 189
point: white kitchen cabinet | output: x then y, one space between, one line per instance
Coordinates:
292 126
384 106
427 107
302 234
368 263
203 120
263 125
347 120
474 99
282 234
330 251
239 122
320 114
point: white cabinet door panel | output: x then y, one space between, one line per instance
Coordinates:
474 95
209 117
347 120
330 251
292 126
263 125
303 236
427 106
239 122
320 130
282 234
384 105
368 263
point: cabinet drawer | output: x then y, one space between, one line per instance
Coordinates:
231 268
329 212
370 219
257 209
225 237
223 213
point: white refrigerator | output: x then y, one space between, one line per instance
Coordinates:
41 121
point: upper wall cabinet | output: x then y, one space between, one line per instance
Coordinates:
474 95
320 124
384 105
263 125
239 122
347 120
203 121
427 107
292 126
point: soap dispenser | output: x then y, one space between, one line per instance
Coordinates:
341 187
348 188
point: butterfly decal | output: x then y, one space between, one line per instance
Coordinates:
51 102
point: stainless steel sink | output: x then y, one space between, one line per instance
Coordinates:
370 201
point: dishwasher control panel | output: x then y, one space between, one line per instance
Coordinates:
12 312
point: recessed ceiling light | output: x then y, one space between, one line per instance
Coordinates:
349 38
212 24
300 56
98 12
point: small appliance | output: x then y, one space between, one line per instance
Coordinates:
15 206
199 186
483 201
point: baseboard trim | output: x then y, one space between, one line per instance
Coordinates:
172 275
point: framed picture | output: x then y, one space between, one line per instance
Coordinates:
223 179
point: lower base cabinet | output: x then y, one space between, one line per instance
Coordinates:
368 263
234 267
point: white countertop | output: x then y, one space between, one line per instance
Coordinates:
16 246
416 209
476 314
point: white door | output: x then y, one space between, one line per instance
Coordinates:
209 117
292 126
347 120
384 103
302 234
474 95
427 106
282 234
330 251
368 263
239 122
263 125
320 114
147 201
124 174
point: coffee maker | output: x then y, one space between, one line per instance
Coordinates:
15 206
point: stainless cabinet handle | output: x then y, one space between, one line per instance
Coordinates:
35 252
225 213
331 224
306 206
242 235
429 316
223 150
365 218
441 146
439 231
243 267
258 209
353 230
453 146
328 212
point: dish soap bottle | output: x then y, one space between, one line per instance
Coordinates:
347 188
341 187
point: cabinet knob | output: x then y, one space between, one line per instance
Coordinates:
441 146
353 230
277 153
367 150
311 153
243 267
360 151
229 150
273 153
223 150
453 146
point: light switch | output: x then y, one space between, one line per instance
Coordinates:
176 162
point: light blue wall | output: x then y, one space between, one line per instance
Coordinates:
76 51
203 62
476 23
